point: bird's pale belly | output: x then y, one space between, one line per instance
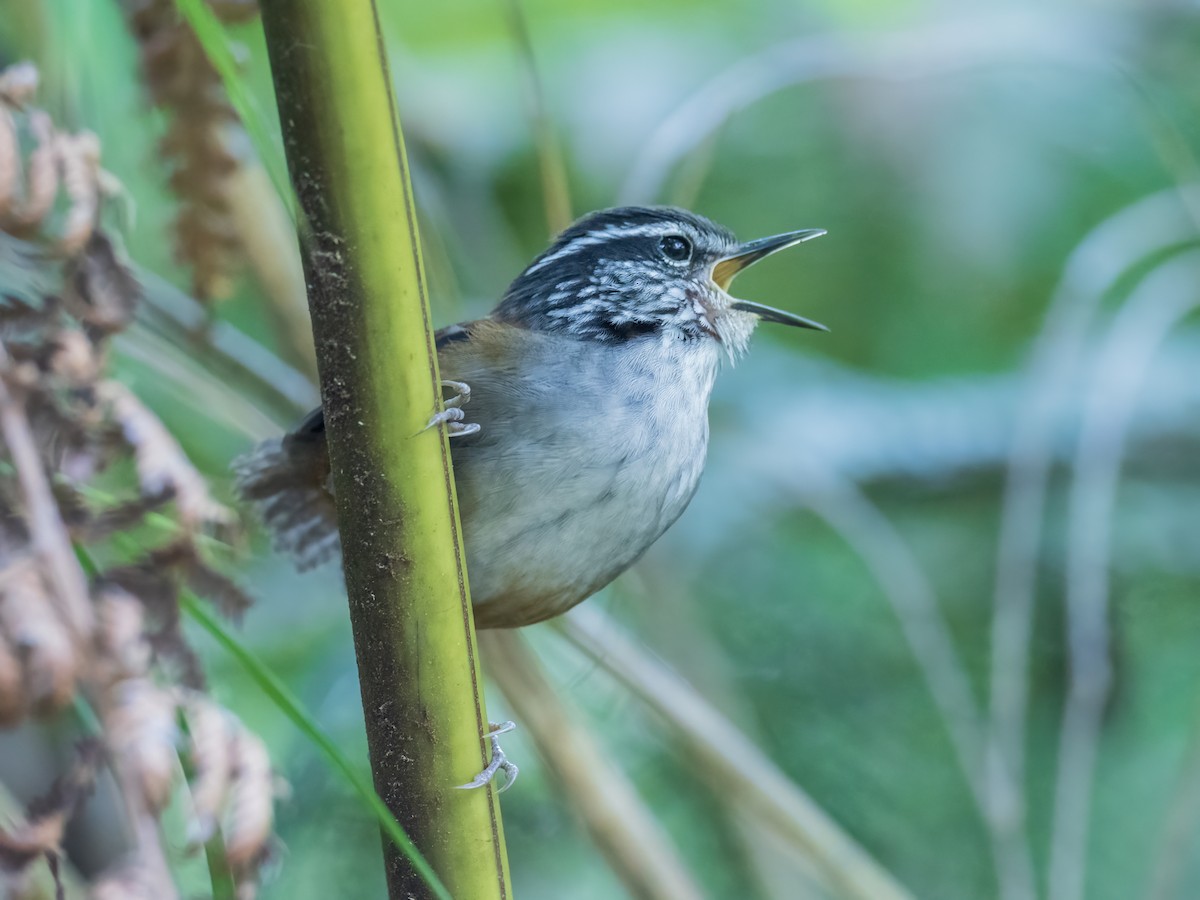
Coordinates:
540 555
551 516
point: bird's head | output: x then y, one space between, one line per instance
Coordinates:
634 272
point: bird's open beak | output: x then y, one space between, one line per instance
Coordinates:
751 252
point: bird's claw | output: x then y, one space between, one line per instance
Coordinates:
462 393
452 415
499 763
452 418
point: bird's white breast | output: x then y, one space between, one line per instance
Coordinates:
586 454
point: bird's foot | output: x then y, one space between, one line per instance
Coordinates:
499 763
462 393
452 416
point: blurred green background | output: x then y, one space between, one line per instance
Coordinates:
975 165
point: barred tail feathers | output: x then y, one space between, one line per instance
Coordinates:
287 482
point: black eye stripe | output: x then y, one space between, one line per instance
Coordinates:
676 247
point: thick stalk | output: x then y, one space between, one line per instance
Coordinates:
409 602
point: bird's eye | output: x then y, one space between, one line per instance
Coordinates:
676 247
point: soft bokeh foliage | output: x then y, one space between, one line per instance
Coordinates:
958 158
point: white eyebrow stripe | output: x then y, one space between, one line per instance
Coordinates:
608 233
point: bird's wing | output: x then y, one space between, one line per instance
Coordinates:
311 426
451 334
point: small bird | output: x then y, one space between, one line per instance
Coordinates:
588 386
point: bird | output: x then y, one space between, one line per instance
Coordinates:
579 416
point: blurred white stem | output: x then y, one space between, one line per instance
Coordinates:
619 822
1104 255
864 527
734 764
1155 308
668 620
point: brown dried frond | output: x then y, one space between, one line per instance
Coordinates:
71 423
72 508
10 161
156 585
120 635
156 579
184 557
79 155
46 818
124 651
76 441
22 844
18 83
25 330
58 160
76 783
12 684
181 81
41 174
134 881
212 731
219 589
93 525
26 201
52 372
250 814
41 640
100 291
73 358
162 465
231 782
139 721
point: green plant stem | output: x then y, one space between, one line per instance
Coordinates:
219 874
406 583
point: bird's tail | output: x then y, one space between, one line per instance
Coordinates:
287 482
